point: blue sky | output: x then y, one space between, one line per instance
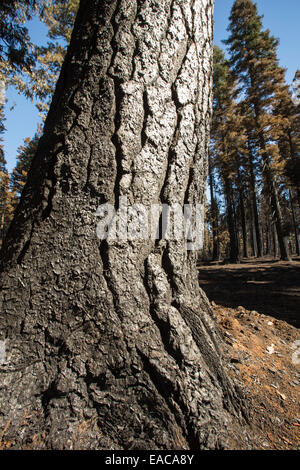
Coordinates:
280 16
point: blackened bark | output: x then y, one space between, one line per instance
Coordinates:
275 241
275 205
268 226
253 242
231 222
112 345
244 225
294 157
297 244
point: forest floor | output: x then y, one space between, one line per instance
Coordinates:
257 307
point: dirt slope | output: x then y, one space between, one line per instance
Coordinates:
265 361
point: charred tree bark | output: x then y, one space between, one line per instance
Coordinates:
252 229
268 226
244 226
112 345
275 241
297 244
294 158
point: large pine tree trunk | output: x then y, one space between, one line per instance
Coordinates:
112 344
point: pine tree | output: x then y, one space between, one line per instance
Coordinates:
226 137
289 140
25 157
14 38
38 82
7 198
289 146
253 56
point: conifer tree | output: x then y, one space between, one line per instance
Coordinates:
290 139
253 177
254 60
7 198
289 165
38 82
225 139
25 156
14 39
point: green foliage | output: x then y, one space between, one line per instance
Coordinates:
33 69
16 53
253 57
221 74
14 37
39 82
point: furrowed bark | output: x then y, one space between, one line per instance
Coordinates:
112 345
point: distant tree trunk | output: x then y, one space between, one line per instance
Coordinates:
294 156
214 213
252 230
272 188
283 246
297 244
242 209
254 207
243 219
253 242
244 226
231 222
268 237
275 241
112 345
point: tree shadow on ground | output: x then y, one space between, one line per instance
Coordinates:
268 286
